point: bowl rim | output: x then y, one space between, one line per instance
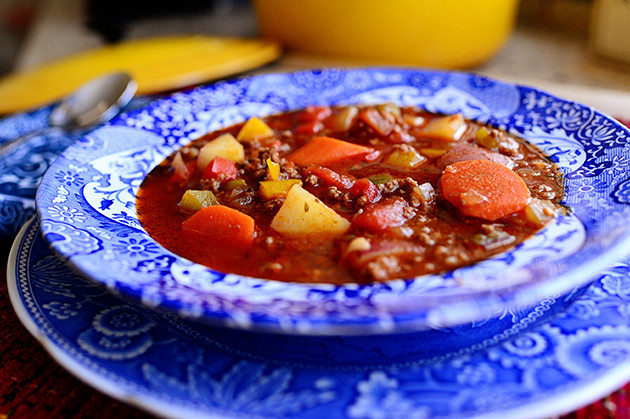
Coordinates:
351 314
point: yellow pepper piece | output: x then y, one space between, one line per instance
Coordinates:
274 169
254 128
271 189
432 152
194 200
406 159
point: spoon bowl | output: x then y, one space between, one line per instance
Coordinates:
94 102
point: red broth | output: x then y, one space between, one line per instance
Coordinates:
349 194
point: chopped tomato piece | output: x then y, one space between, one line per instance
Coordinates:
223 225
220 168
381 215
310 127
377 121
330 177
363 187
314 113
326 150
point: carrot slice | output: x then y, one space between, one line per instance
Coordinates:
484 189
326 150
223 225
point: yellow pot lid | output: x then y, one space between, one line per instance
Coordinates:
157 64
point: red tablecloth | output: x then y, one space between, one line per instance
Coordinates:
32 385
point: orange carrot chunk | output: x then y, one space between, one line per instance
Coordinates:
484 189
326 150
223 225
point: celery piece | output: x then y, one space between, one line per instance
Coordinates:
194 200
235 184
380 178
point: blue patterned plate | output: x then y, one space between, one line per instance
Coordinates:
87 206
22 168
176 368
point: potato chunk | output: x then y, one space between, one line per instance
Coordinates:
225 146
302 214
254 128
446 128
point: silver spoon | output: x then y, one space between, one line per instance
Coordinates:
91 104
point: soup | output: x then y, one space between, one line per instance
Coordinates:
349 194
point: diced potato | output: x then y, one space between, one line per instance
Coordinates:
343 119
254 128
446 128
194 200
271 189
389 108
302 214
225 146
539 212
485 138
405 157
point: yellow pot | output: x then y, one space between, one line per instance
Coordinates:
429 33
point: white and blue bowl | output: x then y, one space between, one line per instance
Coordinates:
86 204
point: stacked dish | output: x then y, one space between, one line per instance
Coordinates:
254 346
